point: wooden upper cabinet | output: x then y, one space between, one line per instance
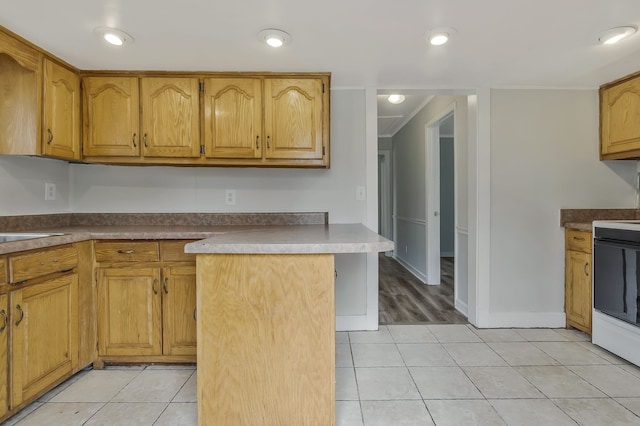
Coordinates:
294 118
61 112
111 118
21 93
620 119
233 118
170 117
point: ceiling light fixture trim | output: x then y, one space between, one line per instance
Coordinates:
440 36
396 99
614 35
113 36
274 37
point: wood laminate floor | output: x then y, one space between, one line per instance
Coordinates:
403 299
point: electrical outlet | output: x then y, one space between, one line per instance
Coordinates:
49 191
230 197
361 193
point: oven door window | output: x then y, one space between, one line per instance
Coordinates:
616 280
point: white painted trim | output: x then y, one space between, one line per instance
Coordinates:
410 220
419 275
461 306
462 230
352 323
527 320
371 161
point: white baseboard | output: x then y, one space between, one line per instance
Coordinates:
351 323
419 275
526 320
462 307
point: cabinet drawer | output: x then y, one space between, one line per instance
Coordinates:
126 251
173 251
578 240
35 264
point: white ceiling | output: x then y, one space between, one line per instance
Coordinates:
363 43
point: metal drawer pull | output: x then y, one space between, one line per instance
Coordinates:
3 313
154 286
145 140
194 314
130 251
133 139
164 285
257 144
578 238
268 142
19 308
50 137
586 267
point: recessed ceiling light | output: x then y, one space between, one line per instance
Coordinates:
440 36
274 37
396 99
113 36
614 35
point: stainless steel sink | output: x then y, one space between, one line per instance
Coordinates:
6 237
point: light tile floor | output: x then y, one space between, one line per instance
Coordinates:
399 375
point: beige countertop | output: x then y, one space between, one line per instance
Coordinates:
297 239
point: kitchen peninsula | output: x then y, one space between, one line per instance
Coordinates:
266 322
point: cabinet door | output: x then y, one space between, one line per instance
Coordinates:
233 118
620 119
111 116
44 336
293 118
179 310
170 117
4 359
578 290
129 314
20 89
61 112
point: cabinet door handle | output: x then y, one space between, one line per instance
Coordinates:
154 286
578 238
19 308
133 139
268 142
144 139
164 285
257 140
586 268
3 314
194 314
130 251
50 137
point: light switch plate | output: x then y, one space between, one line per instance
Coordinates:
230 197
361 193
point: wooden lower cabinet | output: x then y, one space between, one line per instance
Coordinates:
147 312
4 355
44 336
578 302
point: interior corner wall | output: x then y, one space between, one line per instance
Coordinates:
544 157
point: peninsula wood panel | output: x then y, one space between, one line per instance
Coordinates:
620 120
233 117
61 112
170 117
266 339
111 116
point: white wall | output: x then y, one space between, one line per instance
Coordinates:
22 182
544 157
99 188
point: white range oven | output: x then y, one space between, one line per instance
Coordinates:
616 288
